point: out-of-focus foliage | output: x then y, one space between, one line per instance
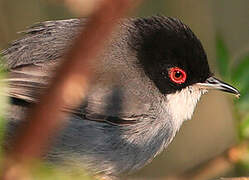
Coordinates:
223 57
3 102
237 73
46 171
241 74
3 105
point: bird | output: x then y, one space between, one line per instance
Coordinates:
148 80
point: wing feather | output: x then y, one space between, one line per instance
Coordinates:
32 62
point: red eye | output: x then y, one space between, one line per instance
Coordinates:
177 75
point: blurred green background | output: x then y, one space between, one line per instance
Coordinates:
219 121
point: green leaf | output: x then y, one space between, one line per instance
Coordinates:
47 171
3 104
243 103
240 77
240 74
222 57
244 127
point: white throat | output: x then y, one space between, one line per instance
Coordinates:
181 104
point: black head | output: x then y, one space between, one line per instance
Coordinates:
170 54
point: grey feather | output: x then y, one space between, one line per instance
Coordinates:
94 137
42 42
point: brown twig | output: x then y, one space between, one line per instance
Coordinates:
68 87
217 166
82 7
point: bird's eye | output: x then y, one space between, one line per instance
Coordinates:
177 75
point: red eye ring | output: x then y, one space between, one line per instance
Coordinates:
177 75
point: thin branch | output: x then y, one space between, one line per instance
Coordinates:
68 88
220 165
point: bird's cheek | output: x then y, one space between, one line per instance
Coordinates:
181 104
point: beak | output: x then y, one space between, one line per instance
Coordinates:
213 83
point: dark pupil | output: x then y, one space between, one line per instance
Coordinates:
178 74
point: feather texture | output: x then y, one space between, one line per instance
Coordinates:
126 118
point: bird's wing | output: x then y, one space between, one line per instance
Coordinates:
32 60
29 81
103 103
42 42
